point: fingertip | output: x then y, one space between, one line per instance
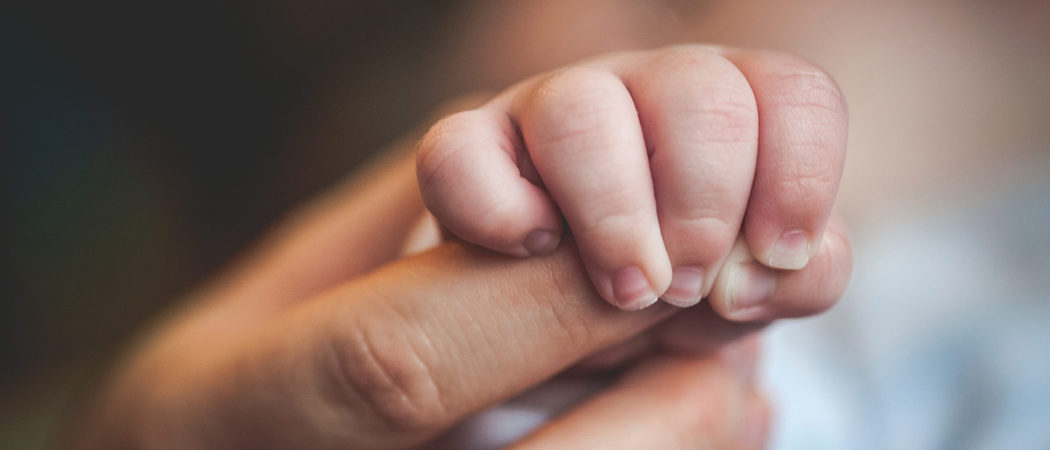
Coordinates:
541 242
471 182
685 290
632 290
748 289
792 250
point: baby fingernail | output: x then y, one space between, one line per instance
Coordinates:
790 251
541 242
686 285
749 286
632 289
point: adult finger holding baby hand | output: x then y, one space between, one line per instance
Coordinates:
656 160
354 350
322 340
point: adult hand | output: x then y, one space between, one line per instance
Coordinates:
318 341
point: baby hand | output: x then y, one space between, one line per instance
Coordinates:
657 160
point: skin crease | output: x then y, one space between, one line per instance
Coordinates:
452 156
247 361
926 53
919 74
916 48
580 129
254 380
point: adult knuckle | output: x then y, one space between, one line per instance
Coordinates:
382 376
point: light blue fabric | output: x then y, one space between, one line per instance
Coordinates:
942 341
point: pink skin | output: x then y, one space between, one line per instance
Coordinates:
656 160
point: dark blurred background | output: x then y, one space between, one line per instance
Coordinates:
145 144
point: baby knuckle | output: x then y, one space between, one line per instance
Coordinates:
686 56
579 82
806 188
697 61
724 115
810 89
496 218
443 142
714 234
712 93
615 220
575 101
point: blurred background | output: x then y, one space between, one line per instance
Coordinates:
144 145
147 143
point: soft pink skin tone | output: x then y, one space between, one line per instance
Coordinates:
324 338
658 161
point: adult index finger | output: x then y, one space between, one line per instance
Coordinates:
394 358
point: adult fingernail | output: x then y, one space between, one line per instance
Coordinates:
632 289
790 251
750 285
541 242
686 285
